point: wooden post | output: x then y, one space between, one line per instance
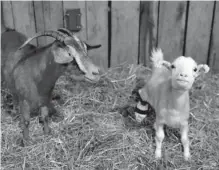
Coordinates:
24 20
214 48
49 16
171 28
148 30
97 31
198 30
125 32
7 13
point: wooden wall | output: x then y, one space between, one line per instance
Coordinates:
127 30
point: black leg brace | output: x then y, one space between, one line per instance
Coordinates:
144 112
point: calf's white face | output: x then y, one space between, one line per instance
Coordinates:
184 72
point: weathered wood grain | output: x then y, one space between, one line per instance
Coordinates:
97 31
74 5
171 28
49 16
24 20
40 21
214 50
7 12
148 30
198 30
125 32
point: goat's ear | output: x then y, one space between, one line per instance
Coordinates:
61 55
203 68
89 47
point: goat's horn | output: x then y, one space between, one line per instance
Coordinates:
55 34
66 31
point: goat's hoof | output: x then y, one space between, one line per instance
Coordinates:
187 157
157 154
47 130
23 142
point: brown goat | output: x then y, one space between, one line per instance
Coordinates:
31 73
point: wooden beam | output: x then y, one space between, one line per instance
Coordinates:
97 31
214 49
198 30
171 28
125 32
148 30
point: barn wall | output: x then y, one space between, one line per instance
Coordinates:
127 30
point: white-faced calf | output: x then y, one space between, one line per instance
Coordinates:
167 91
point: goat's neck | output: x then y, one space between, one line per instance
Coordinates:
179 99
50 71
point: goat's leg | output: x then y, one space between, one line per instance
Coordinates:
44 118
158 139
52 110
185 140
25 118
54 114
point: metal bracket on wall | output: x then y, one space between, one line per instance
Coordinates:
73 20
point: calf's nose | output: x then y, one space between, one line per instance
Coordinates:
183 75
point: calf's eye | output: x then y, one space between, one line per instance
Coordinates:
195 69
172 66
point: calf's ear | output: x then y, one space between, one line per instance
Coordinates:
61 55
203 68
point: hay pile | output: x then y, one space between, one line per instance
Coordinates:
93 135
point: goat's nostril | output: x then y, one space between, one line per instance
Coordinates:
183 75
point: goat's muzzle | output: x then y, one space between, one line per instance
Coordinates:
93 77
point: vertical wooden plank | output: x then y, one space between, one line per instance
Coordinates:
97 31
49 16
214 49
40 20
171 28
148 30
24 20
198 30
7 12
125 32
74 5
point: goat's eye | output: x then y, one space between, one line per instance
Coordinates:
195 69
69 54
172 66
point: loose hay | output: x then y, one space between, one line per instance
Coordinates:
93 135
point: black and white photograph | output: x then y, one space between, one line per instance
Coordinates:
109 85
